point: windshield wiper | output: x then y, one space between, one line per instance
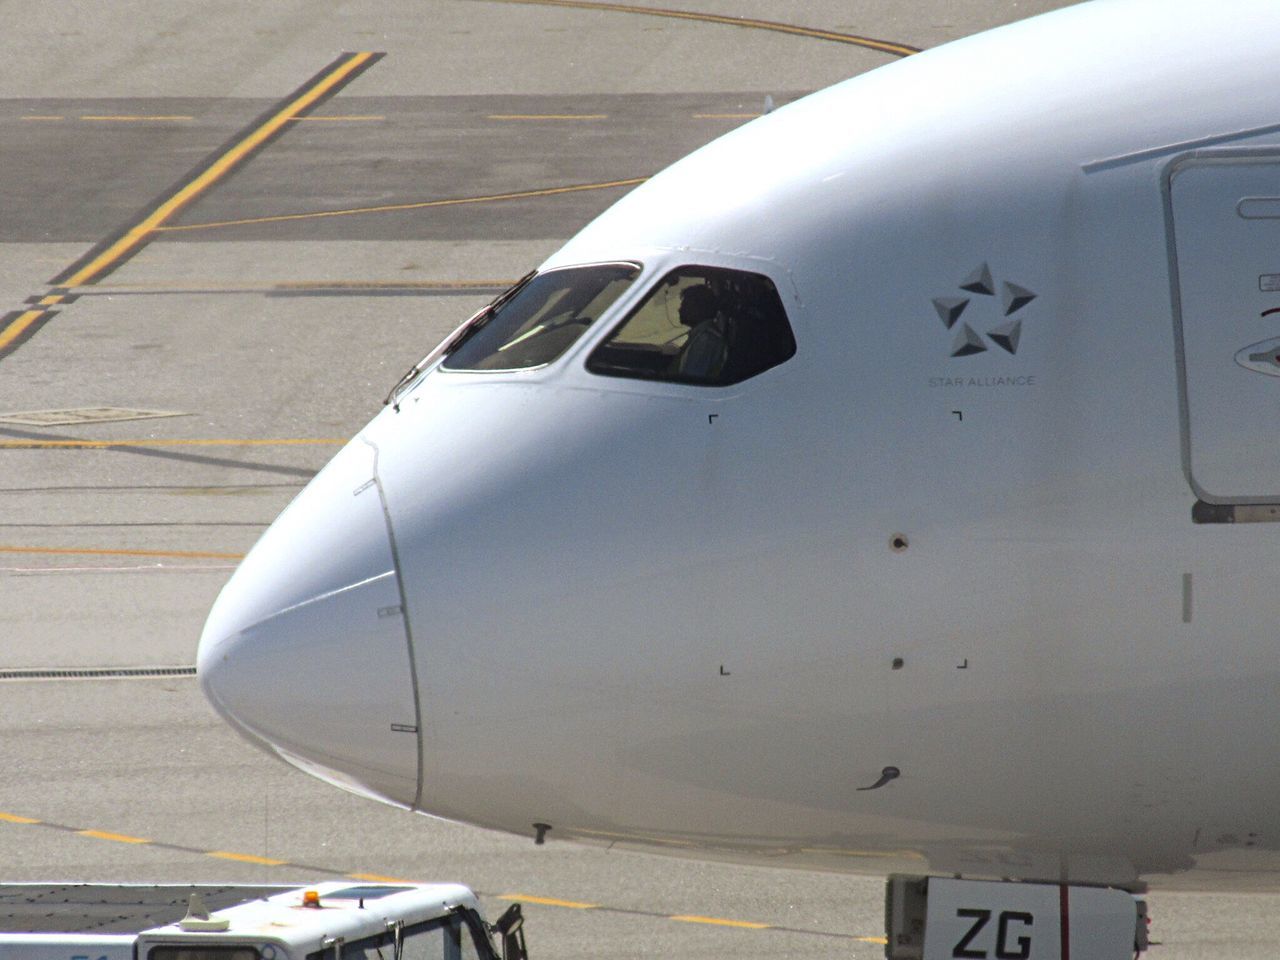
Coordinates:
447 345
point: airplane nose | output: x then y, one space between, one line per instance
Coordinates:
306 650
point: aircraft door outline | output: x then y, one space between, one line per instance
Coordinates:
1223 235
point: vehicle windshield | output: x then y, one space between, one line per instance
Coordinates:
542 320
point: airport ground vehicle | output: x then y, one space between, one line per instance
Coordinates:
323 921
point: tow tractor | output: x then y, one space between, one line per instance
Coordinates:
945 918
333 920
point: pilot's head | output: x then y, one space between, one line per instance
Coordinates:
697 304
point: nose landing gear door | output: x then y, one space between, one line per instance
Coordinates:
1225 225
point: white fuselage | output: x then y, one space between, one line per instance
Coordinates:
700 619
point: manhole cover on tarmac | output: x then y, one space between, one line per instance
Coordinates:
76 415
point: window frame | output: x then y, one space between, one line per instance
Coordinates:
466 917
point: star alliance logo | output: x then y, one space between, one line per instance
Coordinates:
1005 334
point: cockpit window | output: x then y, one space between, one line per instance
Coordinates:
541 320
700 325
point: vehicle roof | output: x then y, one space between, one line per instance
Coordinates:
96 908
109 908
348 909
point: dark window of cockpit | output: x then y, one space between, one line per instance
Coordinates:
541 319
701 325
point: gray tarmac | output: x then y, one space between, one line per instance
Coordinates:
273 311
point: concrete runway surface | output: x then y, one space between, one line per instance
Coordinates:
270 303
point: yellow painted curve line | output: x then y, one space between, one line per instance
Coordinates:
417 205
215 442
138 234
103 552
884 46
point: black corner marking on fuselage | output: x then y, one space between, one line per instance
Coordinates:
1202 512
886 775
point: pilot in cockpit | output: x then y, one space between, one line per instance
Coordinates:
706 347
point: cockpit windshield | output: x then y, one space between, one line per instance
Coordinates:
542 319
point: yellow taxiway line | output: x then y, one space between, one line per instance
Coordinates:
418 205
246 858
720 922
548 116
18 325
140 232
117 837
138 119
266 861
105 552
351 118
549 901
